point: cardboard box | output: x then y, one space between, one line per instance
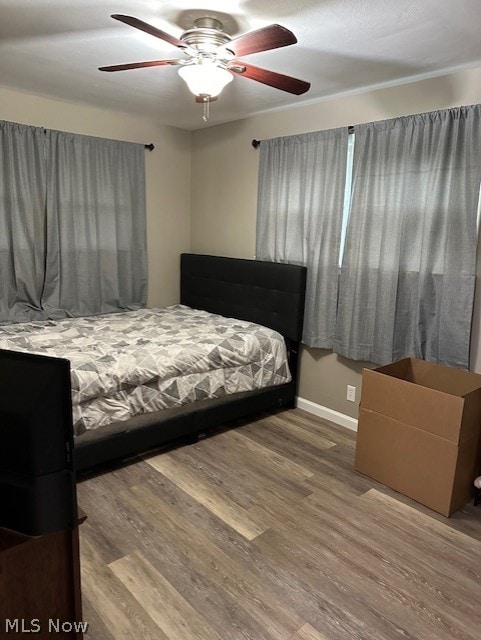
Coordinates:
418 432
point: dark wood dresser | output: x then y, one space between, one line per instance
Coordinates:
40 585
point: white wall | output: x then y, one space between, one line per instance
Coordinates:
167 175
224 194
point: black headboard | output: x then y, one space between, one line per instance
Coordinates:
268 293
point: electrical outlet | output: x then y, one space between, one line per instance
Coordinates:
351 393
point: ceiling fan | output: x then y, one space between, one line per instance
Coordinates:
211 57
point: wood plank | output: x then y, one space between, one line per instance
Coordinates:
210 497
172 614
308 633
120 613
236 458
303 428
282 464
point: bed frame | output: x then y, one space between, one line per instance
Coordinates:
271 294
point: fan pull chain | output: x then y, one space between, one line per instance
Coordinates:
206 115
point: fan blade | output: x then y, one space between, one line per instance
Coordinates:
139 65
271 37
271 78
151 30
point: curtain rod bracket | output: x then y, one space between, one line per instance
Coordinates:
150 146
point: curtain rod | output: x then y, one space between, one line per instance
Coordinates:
150 146
256 143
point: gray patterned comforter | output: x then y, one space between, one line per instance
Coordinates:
126 364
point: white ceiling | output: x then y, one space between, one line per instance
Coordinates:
54 47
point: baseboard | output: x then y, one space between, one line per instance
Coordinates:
326 413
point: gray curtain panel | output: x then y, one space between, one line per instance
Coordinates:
299 218
22 222
72 224
96 226
408 271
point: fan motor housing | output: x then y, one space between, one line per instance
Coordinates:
206 35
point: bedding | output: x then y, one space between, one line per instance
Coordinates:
127 364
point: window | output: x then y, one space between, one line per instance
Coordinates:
347 193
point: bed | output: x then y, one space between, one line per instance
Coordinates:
235 293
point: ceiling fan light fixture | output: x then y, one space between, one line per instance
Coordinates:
205 79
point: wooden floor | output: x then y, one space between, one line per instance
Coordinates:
265 532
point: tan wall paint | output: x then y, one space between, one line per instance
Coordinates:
224 194
167 175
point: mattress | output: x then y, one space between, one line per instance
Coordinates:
127 364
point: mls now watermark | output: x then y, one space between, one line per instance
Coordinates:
20 625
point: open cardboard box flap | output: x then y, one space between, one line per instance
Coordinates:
438 399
